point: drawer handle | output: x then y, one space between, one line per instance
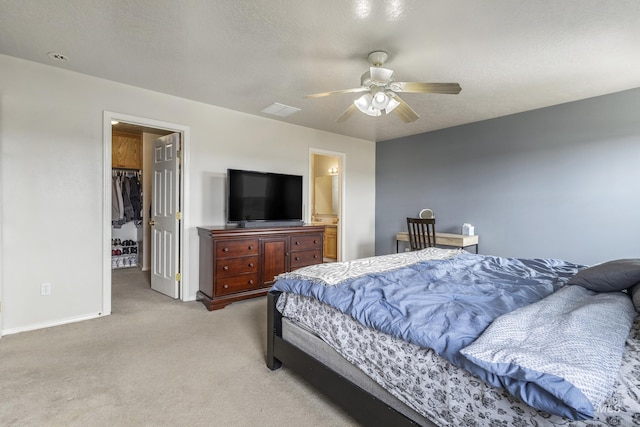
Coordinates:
297 259
315 256
297 243
225 286
251 282
315 241
225 250
250 264
250 247
226 267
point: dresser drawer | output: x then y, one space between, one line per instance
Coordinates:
235 248
233 284
234 266
305 243
304 258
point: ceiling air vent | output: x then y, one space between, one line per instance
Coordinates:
280 110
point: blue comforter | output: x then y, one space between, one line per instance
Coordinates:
441 304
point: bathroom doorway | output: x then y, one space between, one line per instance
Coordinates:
326 199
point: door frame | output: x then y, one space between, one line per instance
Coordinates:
108 116
341 196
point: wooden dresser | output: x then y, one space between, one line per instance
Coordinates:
241 263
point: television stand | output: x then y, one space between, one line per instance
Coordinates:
269 224
241 263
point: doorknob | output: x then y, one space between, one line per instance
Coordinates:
152 222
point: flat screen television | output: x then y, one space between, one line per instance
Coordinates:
256 199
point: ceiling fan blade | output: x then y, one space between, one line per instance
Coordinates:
379 74
406 113
336 92
348 113
414 87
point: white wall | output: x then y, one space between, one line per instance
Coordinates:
52 169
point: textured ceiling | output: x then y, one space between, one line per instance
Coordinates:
508 55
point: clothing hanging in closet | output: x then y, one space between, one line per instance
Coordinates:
126 198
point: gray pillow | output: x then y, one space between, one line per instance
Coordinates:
609 276
635 296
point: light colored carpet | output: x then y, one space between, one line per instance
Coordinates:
155 362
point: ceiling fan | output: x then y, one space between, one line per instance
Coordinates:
381 88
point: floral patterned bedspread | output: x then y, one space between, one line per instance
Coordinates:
443 393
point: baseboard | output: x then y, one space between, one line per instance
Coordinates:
44 325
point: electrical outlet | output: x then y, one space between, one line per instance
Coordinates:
45 289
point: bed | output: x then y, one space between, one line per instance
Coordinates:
498 341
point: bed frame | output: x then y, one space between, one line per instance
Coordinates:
360 404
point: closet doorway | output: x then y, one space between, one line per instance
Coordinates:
326 195
132 149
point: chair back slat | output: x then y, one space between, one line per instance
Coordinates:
422 233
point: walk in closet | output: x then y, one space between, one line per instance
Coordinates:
132 168
126 206
126 218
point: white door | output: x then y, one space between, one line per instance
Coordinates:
165 211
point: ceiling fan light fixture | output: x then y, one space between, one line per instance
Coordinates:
391 105
380 90
364 104
380 100
373 112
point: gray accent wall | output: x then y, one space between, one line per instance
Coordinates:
558 182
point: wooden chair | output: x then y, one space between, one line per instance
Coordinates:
422 233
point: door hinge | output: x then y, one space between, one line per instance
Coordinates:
178 277
179 216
